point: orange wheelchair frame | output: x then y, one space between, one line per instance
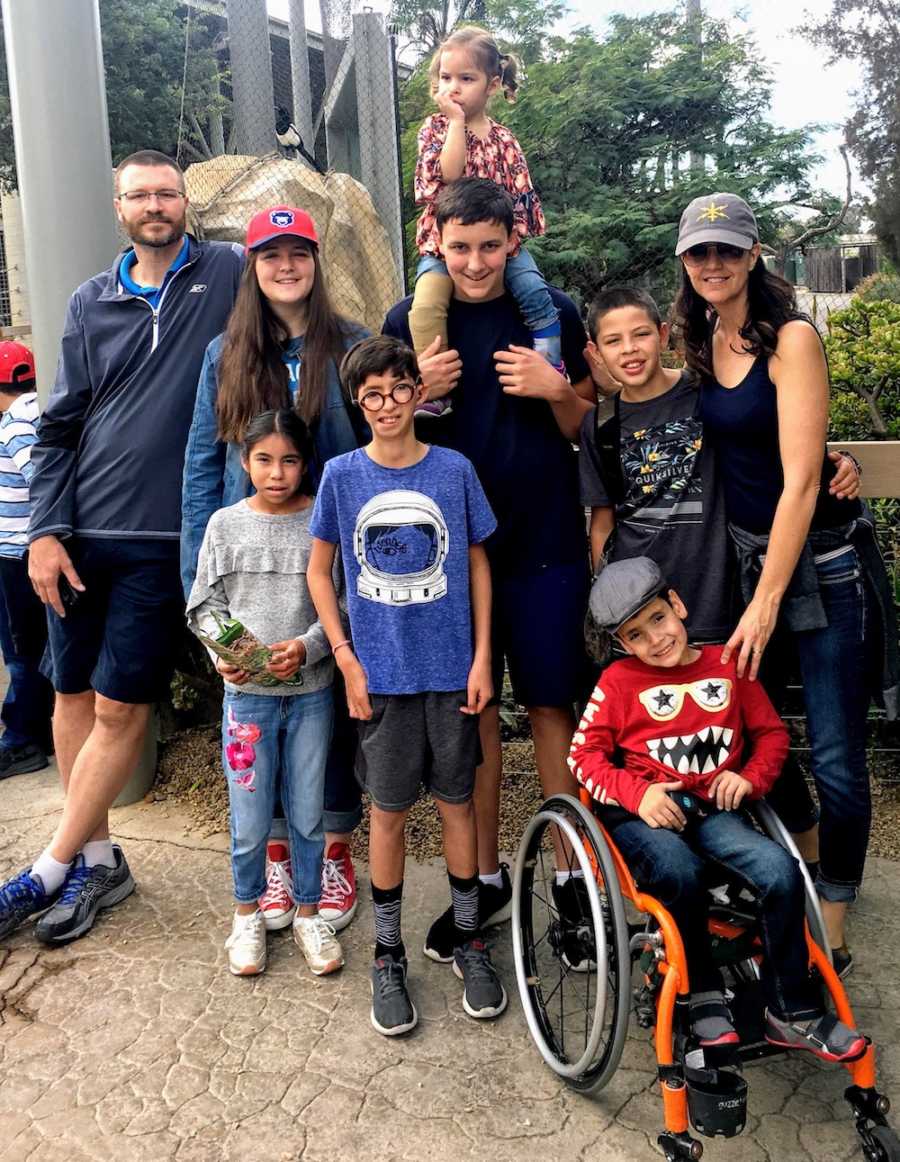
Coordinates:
540 957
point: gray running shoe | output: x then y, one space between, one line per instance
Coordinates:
827 1037
483 994
21 760
393 1012
86 890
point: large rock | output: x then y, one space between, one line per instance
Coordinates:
362 277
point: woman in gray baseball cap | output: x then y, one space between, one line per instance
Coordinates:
808 562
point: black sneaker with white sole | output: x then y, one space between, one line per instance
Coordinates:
494 907
392 1012
483 993
86 890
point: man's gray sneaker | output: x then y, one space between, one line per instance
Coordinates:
392 1010
483 994
86 890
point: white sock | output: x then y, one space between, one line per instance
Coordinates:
562 876
495 879
99 851
50 870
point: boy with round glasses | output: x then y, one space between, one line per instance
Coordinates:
410 520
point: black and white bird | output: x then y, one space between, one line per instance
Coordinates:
288 137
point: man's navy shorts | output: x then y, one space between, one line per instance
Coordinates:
537 628
121 637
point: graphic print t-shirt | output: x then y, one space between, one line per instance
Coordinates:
673 510
405 535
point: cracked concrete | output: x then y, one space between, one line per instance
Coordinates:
135 1043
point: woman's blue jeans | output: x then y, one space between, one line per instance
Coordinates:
264 736
671 865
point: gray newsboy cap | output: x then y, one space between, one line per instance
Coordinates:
717 218
622 589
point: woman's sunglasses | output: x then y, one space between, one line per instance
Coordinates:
695 255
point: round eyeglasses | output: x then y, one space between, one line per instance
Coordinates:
400 393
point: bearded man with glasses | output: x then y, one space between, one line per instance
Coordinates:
105 526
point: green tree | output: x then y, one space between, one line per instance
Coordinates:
521 23
870 34
611 159
144 58
863 346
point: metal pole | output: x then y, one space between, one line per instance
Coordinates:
251 76
300 73
63 158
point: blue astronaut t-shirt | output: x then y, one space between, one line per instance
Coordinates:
404 535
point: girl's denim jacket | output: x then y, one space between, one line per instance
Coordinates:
213 476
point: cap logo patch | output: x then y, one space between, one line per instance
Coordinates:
281 218
712 213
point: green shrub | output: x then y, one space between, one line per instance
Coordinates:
881 287
863 345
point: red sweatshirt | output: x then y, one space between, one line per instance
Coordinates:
648 724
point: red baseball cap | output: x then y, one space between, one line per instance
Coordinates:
280 222
16 365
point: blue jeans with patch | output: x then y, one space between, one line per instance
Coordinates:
671 866
264 736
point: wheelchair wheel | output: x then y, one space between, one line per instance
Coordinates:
885 1146
775 829
573 970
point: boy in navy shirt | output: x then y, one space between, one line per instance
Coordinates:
410 520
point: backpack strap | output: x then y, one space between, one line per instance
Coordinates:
606 442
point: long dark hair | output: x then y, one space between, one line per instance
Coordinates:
252 375
771 302
282 422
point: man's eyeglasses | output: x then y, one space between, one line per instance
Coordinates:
400 393
138 197
696 255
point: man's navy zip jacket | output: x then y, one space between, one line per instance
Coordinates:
110 449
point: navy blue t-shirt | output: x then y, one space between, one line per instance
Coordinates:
528 468
404 535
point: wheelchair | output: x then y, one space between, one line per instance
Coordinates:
578 1010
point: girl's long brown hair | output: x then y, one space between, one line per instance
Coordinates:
771 302
252 375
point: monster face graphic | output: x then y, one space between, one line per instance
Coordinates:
401 542
698 754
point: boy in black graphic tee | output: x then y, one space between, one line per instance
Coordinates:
646 474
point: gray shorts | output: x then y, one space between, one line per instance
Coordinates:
413 739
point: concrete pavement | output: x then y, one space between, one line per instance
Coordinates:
135 1044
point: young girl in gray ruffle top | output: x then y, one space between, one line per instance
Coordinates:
252 568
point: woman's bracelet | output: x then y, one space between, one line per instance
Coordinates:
345 642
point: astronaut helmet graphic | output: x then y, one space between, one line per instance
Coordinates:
400 542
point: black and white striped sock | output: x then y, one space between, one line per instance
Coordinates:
387 902
464 896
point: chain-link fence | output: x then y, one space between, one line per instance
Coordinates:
259 111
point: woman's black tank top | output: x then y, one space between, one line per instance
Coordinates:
742 423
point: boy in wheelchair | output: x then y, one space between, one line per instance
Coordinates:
670 745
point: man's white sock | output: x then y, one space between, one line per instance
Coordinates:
99 851
495 879
50 870
563 876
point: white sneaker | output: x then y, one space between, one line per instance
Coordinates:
316 940
246 945
277 901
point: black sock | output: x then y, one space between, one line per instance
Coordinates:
387 902
464 894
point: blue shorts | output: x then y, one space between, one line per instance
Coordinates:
537 629
121 637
